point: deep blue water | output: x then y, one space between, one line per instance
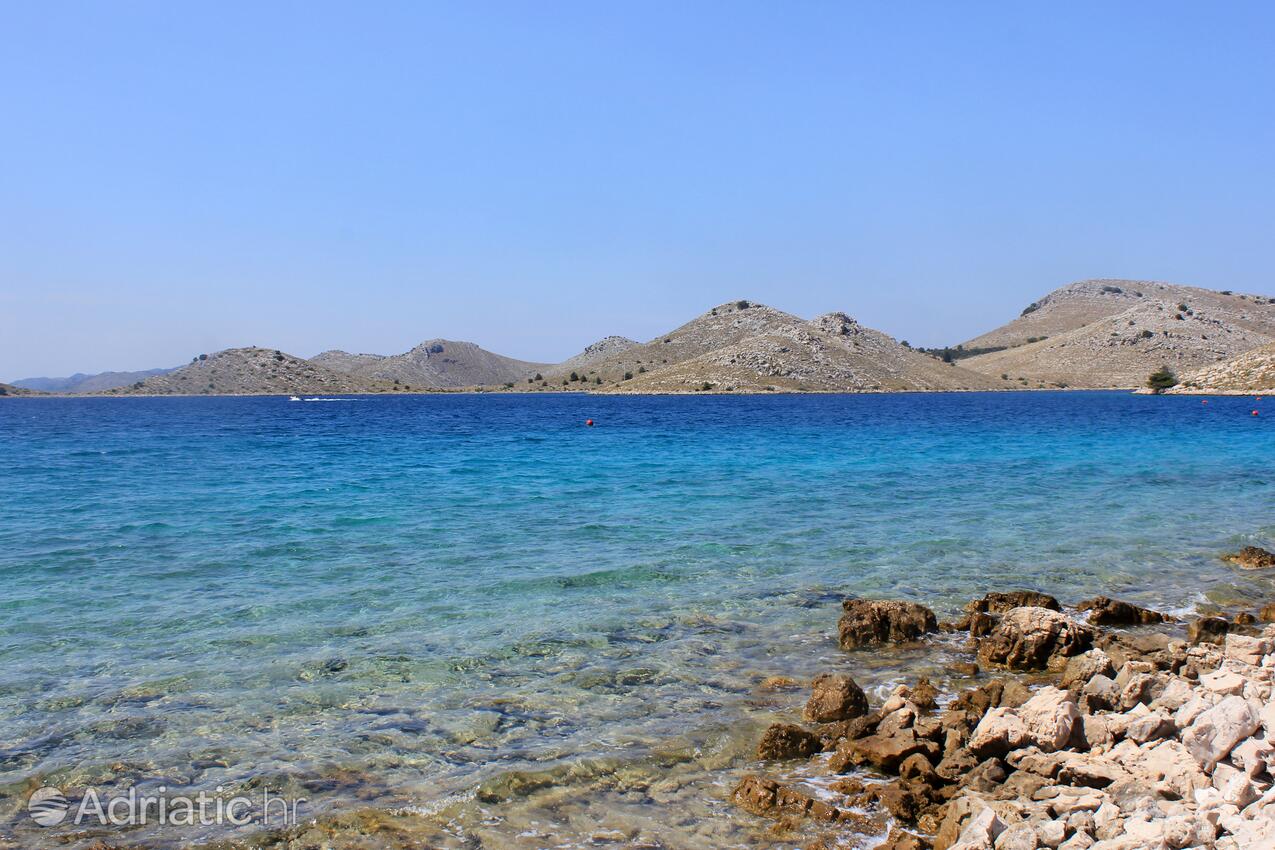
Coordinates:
215 589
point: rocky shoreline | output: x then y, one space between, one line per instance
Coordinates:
1107 728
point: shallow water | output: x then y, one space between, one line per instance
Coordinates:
388 601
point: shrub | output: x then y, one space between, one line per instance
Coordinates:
436 349
1146 335
706 386
628 376
1114 290
203 357
1030 308
742 305
641 370
1161 379
538 377
574 376
509 385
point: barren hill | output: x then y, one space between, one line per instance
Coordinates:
1251 372
11 390
436 363
833 353
746 346
253 371
599 351
343 361
1115 333
1078 304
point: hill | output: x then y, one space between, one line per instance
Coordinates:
599 351
744 346
833 353
1113 333
1251 372
253 371
12 390
435 363
82 383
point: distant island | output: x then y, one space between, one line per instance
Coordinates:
1094 334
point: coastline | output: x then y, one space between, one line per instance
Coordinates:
1098 725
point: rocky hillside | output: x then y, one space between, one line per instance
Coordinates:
1251 372
1115 333
435 363
11 390
254 371
82 383
599 351
343 361
742 346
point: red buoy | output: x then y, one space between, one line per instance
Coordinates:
589 422
1254 412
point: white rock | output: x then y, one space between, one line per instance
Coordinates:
1175 695
1225 682
1151 726
1050 715
980 832
1079 841
1190 710
1020 836
1107 821
1215 732
1254 756
1000 729
1051 833
1267 718
1248 650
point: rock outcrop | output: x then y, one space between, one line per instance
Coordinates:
866 622
1105 611
1032 638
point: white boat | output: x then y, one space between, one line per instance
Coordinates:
293 398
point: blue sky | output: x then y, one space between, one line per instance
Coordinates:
184 177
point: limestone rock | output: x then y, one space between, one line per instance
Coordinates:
1031 638
1214 733
866 622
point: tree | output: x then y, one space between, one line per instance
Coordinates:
1161 379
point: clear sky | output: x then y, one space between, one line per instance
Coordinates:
183 177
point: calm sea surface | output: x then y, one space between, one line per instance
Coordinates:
385 602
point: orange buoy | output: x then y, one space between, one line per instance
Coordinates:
589 422
1204 401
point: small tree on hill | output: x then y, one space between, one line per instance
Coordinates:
1161 379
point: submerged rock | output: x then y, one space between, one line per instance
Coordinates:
767 798
1252 558
868 622
834 697
1105 611
1033 638
1207 630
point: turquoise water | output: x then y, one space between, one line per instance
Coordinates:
386 601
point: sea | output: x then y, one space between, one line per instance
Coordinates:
482 622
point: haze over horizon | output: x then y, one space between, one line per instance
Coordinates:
182 180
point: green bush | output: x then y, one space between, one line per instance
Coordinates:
1161 379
